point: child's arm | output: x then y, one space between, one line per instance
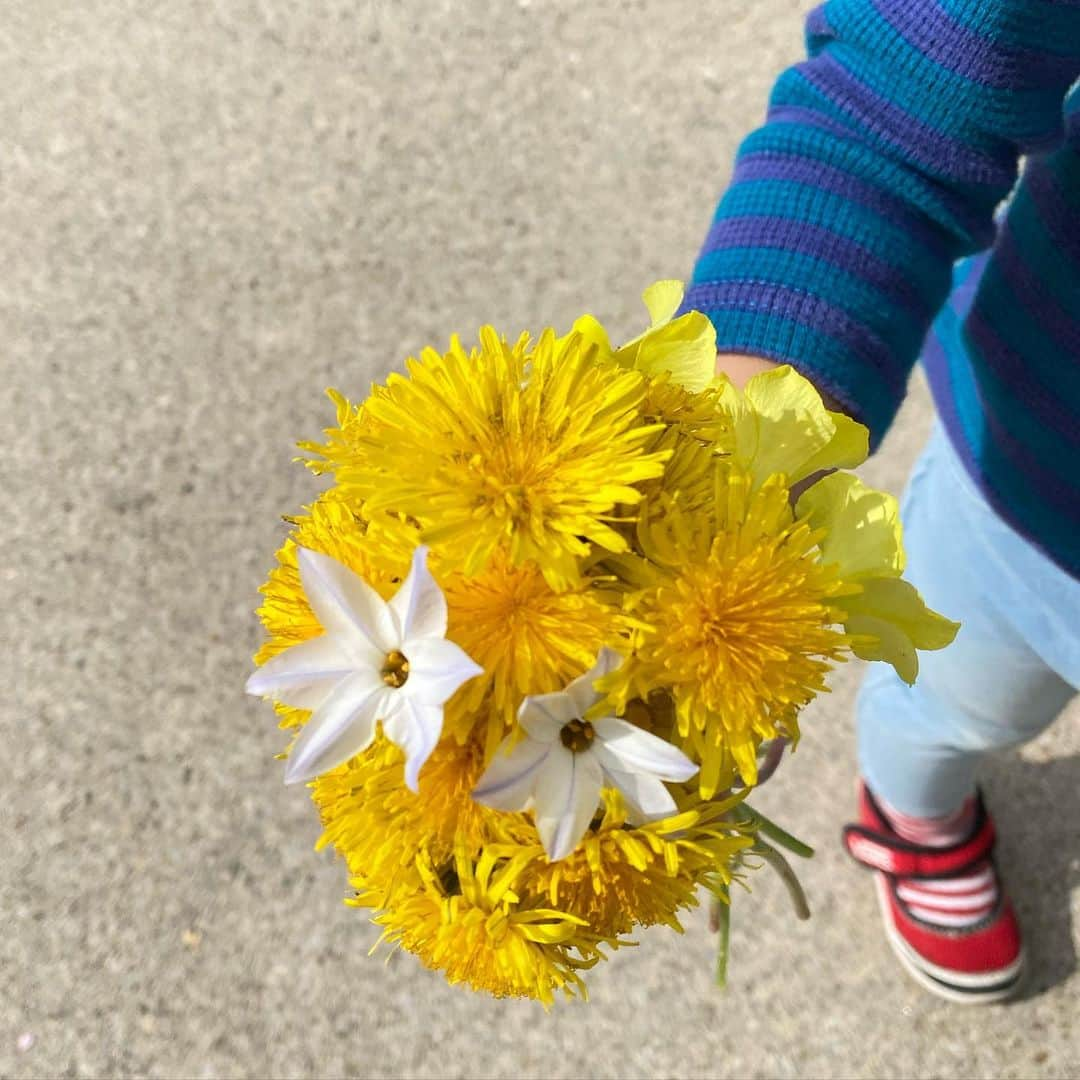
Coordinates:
882 161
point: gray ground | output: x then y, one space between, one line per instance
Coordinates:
211 211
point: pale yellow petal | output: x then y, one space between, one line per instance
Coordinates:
896 622
627 353
782 390
663 298
847 449
877 639
864 534
794 427
899 602
686 348
744 422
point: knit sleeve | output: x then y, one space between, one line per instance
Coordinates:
881 162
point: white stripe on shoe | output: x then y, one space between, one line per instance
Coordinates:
954 919
954 902
970 901
978 880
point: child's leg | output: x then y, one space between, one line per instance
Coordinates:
1012 668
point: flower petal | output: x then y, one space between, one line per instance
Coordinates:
567 793
890 620
793 423
508 782
630 749
582 691
340 728
873 638
416 729
743 748
847 449
646 797
685 348
592 332
309 697
342 600
419 605
663 298
864 531
317 664
898 602
437 667
543 715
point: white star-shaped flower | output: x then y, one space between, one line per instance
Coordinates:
375 661
564 761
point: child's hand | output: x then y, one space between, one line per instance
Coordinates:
739 368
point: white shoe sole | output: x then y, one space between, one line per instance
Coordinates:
960 987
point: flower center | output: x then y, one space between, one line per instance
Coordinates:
395 671
577 735
448 878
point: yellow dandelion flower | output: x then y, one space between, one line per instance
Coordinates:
528 637
465 919
378 826
359 806
530 450
343 441
738 627
700 415
697 431
688 485
621 877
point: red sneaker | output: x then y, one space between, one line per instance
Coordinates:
974 964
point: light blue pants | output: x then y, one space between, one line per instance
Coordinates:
1012 668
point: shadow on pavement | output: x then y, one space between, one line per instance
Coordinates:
1036 805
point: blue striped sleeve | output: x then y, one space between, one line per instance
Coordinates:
882 160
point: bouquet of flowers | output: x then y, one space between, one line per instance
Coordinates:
558 607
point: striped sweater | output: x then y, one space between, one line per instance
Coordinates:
862 215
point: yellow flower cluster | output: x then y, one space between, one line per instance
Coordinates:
575 496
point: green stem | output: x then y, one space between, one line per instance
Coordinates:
787 876
721 916
768 827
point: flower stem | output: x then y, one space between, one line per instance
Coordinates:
768 827
783 868
720 917
774 753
